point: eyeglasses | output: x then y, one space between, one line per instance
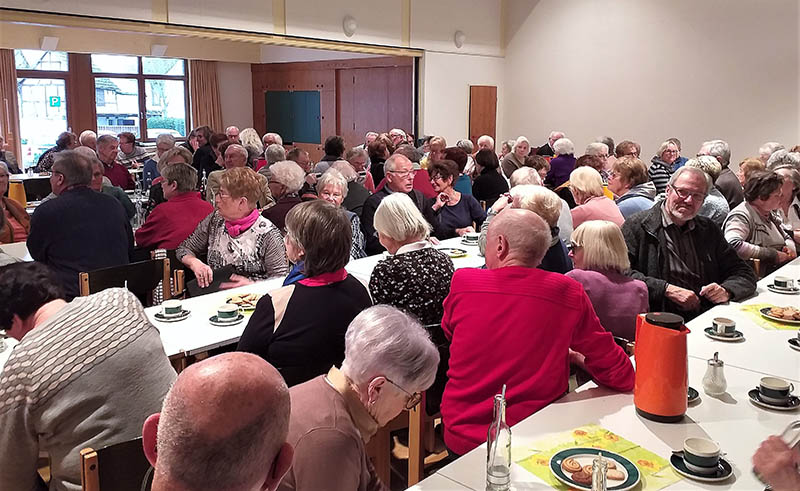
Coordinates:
573 247
684 194
670 151
413 399
404 174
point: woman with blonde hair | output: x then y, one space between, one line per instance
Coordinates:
600 257
586 186
516 158
252 143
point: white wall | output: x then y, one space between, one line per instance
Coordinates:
444 95
434 24
283 54
236 94
648 70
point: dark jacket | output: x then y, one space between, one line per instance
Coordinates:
645 238
368 216
488 186
545 150
728 184
357 194
205 159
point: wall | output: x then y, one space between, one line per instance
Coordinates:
648 70
235 92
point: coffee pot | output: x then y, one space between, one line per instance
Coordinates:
662 367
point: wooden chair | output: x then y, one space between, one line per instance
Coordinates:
420 438
178 286
140 278
118 467
757 268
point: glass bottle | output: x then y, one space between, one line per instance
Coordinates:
498 458
714 382
599 470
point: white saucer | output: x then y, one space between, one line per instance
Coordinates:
737 335
793 402
214 322
784 291
172 318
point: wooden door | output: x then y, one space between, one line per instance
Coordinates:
482 112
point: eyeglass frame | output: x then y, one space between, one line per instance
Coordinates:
572 246
684 194
404 174
416 397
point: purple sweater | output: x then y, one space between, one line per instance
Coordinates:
617 299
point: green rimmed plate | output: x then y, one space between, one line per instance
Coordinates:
585 456
453 252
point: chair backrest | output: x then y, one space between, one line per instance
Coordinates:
36 189
141 278
118 467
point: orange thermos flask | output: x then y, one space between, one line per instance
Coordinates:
662 371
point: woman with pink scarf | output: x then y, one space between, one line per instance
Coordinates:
236 236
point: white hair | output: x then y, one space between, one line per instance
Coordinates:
399 218
556 135
518 142
229 128
397 130
597 149
587 181
692 170
769 148
525 175
465 145
369 134
563 146
275 153
335 178
165 138
384 341
345 169
718 149
288 173
86 135
236 148
273 136
250 140
486 138
783 158
707 164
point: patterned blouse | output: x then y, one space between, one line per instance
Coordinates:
258 253
416 281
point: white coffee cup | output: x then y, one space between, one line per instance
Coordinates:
783 283
472 236
724 326
171 308
227 313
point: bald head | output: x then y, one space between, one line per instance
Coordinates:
516 237
223 426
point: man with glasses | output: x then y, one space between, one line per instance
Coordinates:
683 258
130 154
399 179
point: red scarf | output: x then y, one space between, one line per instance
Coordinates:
236 227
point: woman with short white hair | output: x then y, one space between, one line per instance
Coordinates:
356 194
586 186
286 178
516 158
562 164
389 361
600 256
332 187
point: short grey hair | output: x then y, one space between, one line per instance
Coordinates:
236 148
397 131
556 134
707 164
783 158
356 151
273 136
693 170
88 153
389 165
608 141
75 167
384 341
399 218
289 174
465 145
486 138
333 177
87 135
597 149
4 167
183 174
718 149
104 140
275 153
518 142
767 149
664 146
563 146
345 169
166 138
525 175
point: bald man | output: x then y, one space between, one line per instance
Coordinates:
530 318
223 426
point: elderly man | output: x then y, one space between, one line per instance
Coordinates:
727 182
88 138
101 184
107 152
766 150
272 139
223 426
82 230
274 153
399 179
683 258
531 319
164 143
130 154
85 374
547 150
232 132
236 156
397 136
485 142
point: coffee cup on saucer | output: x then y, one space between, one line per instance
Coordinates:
227 313
701 455
171 308
471 237
775 390
783 283
724 326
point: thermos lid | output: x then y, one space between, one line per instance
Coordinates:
665 319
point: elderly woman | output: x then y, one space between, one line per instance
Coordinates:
516 158
173 221
586 186
358 158
748 167
753 228
600 256
250 140
629 182
562 164
506 147
235 235
661 165
66 141
388 361
489 184
286 178
454 212
789 210
356 193
300 328
332 187
102 184
715 206
15 223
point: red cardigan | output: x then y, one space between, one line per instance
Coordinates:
119 175
515 326
172 221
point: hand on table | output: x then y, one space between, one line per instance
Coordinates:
776 464
715 293
236 281
202 272
686 299
462 231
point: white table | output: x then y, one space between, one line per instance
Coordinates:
18 250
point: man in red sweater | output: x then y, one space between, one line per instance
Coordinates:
515 324
107 152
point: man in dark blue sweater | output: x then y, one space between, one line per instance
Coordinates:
82 230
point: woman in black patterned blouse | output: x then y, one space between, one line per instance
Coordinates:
415 277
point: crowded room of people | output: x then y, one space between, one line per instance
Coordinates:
291 245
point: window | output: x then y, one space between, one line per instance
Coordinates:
146 96
33 59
